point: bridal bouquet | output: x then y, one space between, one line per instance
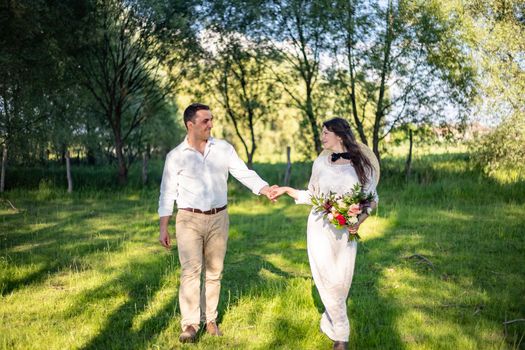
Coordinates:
342 210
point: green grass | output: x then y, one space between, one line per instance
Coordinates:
86 271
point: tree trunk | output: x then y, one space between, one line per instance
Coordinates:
90 156
233 117
252 137
358 122
4 165
68 172
119 145
408 163
249 162
63 154
288 171
122 167
42 155
353 92
380 113
375 139
312 120
145 158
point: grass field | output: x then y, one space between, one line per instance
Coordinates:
440 266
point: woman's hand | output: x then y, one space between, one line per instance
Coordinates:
354 228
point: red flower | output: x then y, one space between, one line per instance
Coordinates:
341 219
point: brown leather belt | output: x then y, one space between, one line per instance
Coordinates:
207 212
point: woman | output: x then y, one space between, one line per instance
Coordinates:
337 169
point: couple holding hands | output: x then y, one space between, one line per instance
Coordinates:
195 176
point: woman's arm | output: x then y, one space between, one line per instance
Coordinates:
301 196
362 217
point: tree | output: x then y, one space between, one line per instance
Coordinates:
130 62
500 43
502 149
242 85
297 30
403 59
31 71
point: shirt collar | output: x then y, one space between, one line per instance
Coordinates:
186 145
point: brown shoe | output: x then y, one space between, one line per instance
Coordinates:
189 335
340 345
213 329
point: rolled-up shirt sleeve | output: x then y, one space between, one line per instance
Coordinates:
169 187
240 171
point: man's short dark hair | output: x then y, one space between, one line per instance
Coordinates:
191 110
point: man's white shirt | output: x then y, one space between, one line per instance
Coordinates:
199 181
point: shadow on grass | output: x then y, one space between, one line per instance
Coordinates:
68 240
50 236
472 278
140 285
246 260
51 250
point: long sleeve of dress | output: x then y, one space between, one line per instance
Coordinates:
370 187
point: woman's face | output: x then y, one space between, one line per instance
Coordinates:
330 140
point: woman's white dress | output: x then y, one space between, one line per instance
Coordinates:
331 256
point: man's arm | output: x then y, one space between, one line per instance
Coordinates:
168 195
247 177
168 187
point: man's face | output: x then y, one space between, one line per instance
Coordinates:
201 126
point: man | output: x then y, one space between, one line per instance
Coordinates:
195 176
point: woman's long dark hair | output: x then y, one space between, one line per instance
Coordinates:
362 165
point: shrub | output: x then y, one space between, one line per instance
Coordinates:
502 149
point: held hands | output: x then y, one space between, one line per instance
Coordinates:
274 192
268 192
277 192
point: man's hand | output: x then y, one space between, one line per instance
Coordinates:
268 192
164 239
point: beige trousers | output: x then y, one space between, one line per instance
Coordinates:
201 242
